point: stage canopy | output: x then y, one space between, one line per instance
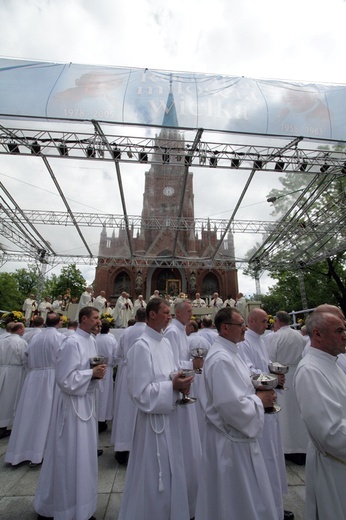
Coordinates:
77 140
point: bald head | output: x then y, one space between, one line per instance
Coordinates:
258 321
331 309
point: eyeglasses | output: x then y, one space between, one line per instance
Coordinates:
242 324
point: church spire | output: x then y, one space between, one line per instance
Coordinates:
170 117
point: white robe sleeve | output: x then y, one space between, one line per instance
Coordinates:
72 376
150 394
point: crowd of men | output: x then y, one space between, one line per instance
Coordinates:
221 456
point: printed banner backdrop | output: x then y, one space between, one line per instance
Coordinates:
139 96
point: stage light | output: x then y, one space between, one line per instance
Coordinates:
202 158
303 165
258 163
35 148
213 160
100 153
129 153
116 153
324 168
13 148
280 165
63 150
235 162
143 156
90 151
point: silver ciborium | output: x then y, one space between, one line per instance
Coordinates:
198 353
278 368
266 382
186 399
98 360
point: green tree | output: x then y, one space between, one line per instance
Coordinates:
11 298
28 280
69 278
320 287
315 230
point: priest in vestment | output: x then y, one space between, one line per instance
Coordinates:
187 415
85 300
67 485
100 302
138 303
198 302
107 346
31 422
233 482
155 485
320 386
123 310
286 346
125 410
13 367
253 351
29 306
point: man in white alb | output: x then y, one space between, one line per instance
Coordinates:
45 307
187 415
233 478
155 485
67 485
198 302
31 423
138 303
84 300
254 352
12 373
125 410
29 306
320 385
100 302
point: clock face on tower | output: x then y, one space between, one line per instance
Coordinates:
168 191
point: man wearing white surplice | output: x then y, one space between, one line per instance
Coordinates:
31 422
13 368
187 415
233 482
253 351
286 346
125 410
155 485
29 306
123 310
320 385
67 486
85 300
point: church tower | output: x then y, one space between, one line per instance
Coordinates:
162 199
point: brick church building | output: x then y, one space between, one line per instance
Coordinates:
161 198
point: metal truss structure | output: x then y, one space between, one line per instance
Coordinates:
302 235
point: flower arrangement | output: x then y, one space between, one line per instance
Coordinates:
271 320
109 318
64 321
15 316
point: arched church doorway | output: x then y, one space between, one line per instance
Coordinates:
210 285
166 281
122 283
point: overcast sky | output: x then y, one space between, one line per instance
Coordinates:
295 40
